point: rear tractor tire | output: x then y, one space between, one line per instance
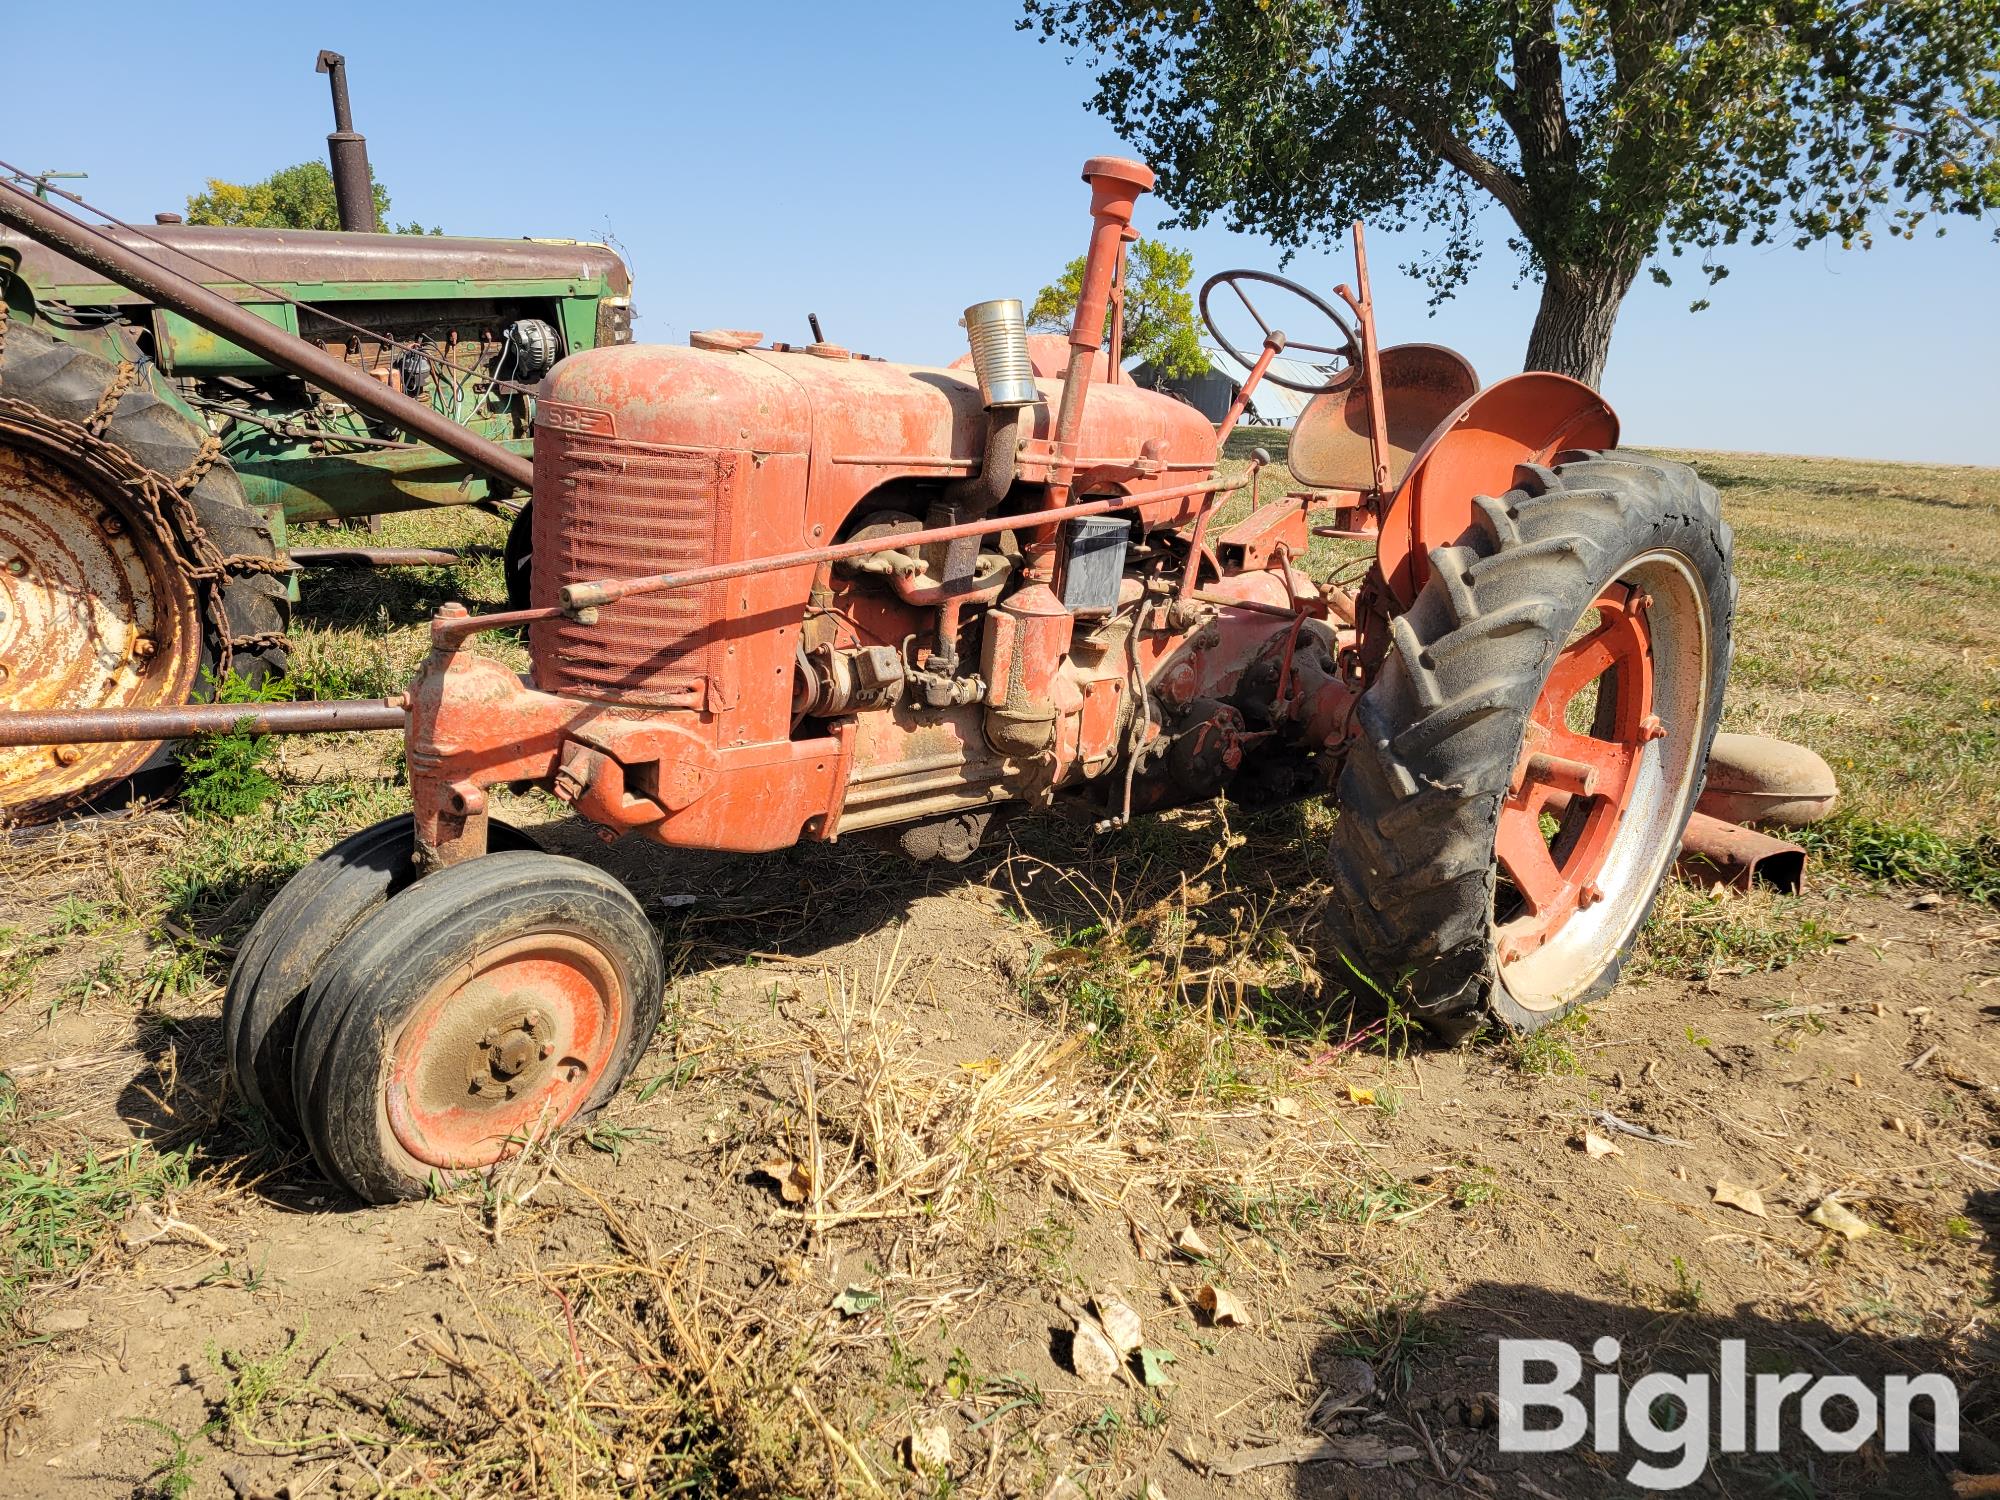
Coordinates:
131 567
1533 745
475 1011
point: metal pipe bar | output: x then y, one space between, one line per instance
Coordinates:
99 726
1274 341
592 595
70 236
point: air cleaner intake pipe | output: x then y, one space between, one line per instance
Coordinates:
998 333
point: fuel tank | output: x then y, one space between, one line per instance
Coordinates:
653 458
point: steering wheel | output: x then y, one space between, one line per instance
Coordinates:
1348 350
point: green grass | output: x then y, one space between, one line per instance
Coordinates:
1551 1052
1869 628
1694 935
56 1210
1910 854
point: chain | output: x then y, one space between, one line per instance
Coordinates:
168 505
128 373
198 466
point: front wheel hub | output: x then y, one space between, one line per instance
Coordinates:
503 1049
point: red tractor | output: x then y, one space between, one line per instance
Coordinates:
797 593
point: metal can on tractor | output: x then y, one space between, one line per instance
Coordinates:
153 467
786 594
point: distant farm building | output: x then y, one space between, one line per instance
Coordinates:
1211 391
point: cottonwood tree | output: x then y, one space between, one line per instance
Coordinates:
1159 310
299 197
1616 134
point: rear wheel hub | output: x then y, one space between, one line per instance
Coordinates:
95 612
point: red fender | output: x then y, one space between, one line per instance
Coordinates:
1524 419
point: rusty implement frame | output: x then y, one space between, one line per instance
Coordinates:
386 557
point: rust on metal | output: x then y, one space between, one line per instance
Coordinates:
1362 300
382 557
109 726
95 613
1422 384
1713 851
1754 778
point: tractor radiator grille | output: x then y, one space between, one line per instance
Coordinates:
622 510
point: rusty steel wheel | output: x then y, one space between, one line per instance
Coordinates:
103 602
481 1008
95 612
1534 743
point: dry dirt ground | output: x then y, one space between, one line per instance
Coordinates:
903 1125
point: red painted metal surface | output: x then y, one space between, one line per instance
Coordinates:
1274 344
1524 419
1555 872
507 1049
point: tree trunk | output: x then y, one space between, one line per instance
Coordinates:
1572 332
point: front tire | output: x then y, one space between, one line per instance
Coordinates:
484 1005
1533 745
313 911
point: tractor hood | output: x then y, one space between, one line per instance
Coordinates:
309 258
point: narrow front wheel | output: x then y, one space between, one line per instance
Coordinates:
476 1011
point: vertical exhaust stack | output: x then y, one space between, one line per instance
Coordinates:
347 153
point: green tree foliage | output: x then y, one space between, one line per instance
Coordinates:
1613 132
298 197
1159 311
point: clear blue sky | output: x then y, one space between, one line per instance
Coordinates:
886 164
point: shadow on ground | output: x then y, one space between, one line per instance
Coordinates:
1445 1410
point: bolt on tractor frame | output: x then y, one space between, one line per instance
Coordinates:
785 594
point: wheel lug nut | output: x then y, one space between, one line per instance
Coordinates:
547 1051
68 755
18 566
144 646
111 524
1650 728
1590 895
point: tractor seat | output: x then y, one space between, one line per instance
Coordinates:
1422 384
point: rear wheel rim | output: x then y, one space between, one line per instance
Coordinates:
503 1049
1603 783
94 613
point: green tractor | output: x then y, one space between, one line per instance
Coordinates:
152 469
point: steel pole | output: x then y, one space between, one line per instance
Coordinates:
48 225
98 726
